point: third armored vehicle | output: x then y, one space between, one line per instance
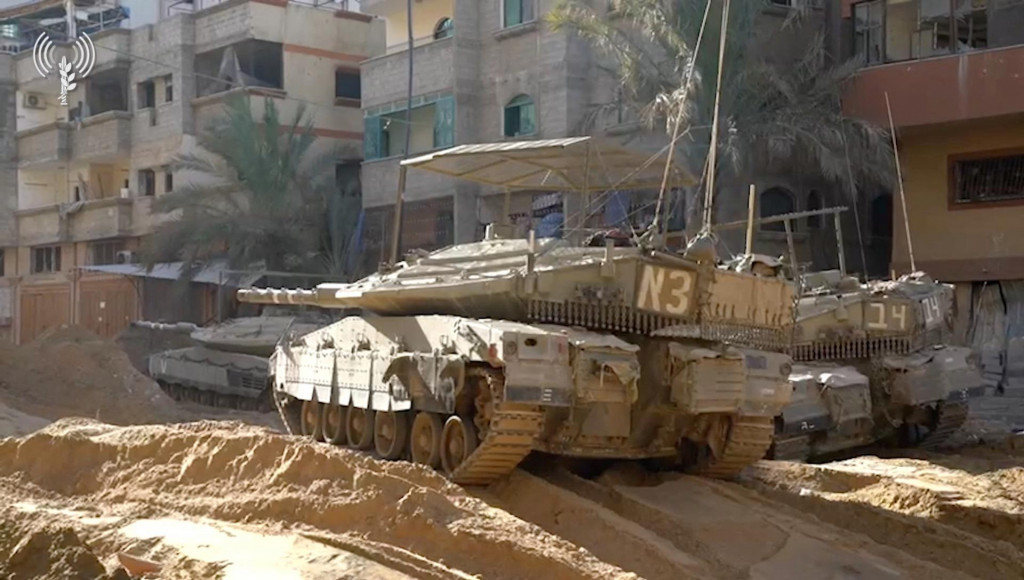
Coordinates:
473 356
228 366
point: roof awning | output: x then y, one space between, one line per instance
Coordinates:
571 164
214 273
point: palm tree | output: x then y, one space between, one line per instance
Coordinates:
257 195
775 113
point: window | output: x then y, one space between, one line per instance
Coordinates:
168 179
517 12
104 253
147 95
867 31
996 178
147 182
168 88
46 259
520 117
347 85
813 203
346 178
443 29
776 201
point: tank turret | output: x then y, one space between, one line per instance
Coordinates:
470 357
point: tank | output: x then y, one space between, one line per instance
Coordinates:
875 363
229 364
469 358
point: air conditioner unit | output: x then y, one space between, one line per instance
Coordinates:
126 257
34 101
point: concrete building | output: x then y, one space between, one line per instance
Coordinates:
86 174
954 76
493 70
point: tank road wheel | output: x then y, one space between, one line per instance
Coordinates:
334 424
458 441
359 428
209 398
312 427
391 434
425 439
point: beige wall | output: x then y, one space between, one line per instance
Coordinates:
425 16
957 243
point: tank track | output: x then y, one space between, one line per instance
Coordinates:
507 439
748 441
214 399
951 417
796 448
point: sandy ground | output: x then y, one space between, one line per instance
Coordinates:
190 492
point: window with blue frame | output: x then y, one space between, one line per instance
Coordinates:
520 117
517 12
432 126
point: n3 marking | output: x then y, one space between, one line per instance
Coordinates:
664 290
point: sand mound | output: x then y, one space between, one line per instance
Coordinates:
69 371
54 552
235 472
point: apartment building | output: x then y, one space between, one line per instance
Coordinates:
493 70
85 175
954 75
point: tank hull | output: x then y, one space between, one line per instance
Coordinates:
911 400
213 378
498 390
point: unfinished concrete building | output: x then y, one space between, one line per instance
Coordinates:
87 173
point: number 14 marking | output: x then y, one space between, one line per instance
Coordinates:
877 316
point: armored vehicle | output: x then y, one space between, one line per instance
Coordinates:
470 357
228 366
874 362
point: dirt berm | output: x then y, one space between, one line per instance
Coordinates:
234 472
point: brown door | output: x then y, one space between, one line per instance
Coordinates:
42 308
106 307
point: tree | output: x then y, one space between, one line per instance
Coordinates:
257 195
776 113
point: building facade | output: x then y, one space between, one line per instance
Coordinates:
85 175
953 72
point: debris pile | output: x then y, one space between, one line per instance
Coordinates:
69 371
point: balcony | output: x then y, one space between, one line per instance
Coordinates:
102 137
88 220
937 65
43 144
385 78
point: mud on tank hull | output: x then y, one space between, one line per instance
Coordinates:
474 397
919 399
213 378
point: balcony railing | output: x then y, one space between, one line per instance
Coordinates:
418 42
76 222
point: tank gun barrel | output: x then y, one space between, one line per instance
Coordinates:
277 296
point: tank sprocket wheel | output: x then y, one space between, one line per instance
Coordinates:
391 434
359 428
458 441
333 421
746 440
425 439
310 421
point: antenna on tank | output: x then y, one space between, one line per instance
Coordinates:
899 177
